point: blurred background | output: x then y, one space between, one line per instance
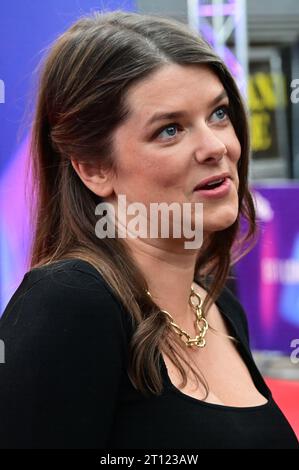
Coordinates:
259 41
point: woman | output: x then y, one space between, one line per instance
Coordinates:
123 341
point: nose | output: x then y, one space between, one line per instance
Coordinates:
210 149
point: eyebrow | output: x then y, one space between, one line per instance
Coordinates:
180 114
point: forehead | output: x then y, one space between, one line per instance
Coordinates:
174 87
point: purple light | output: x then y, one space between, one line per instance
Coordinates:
229 58
15 233
217 10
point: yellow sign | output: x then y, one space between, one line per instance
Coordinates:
266 93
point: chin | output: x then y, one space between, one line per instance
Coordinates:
220 220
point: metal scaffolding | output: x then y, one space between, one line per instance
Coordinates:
220 21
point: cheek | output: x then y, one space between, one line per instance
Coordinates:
142 176
234 151
234 147
150 168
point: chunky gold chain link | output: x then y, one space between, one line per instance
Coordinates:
200 323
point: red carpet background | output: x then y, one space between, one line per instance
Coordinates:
286 395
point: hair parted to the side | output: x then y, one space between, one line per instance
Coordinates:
81 99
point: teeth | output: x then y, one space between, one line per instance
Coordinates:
215 182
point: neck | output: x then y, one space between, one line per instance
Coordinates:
169 274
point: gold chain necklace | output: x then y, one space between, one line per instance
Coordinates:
200 323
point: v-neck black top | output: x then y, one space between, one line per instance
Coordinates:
64 382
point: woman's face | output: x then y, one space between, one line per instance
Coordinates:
163 160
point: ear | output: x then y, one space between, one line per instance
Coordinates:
98 180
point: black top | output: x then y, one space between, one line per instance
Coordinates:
64 382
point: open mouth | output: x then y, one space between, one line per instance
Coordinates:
217 188
213 184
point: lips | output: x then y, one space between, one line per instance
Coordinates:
212 181
216 191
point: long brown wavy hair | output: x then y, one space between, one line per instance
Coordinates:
82 88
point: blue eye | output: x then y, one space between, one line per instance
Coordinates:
222 113
171 127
